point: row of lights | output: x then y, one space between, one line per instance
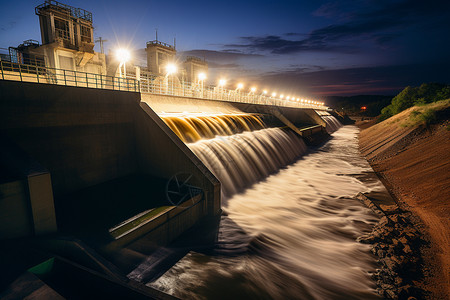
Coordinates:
222 82
123 56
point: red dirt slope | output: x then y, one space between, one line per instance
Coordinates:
415 162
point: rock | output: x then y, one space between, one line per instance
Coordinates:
396 242
404 292
381 253
390 294
383 221
366 239
407 249
403 240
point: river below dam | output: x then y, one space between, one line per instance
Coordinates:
291 235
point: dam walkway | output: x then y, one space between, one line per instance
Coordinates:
149 84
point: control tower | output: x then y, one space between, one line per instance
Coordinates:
159 54
68 38
195 66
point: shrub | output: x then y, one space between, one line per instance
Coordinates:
427 117
410 96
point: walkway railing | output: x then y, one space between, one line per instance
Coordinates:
171 86
39 74
147 84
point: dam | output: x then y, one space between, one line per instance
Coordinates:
263 189
138 182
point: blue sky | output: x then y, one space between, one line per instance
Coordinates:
342 47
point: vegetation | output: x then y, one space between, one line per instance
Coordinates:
428 113
411 96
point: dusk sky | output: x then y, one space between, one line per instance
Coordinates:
294 47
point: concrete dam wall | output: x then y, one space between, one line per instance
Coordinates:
84 138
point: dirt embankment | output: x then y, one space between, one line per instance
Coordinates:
414 161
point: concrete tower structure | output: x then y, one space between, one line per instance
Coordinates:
194 66
68 38
159 54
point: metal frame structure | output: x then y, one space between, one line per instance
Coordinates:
64 9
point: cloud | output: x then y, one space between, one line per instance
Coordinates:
224 55
8 26
380 23
215 65
387 80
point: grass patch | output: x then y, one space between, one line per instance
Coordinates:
425 114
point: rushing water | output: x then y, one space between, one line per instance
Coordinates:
291 235
332 123
192 128
242 159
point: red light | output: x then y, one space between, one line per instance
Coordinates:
363 108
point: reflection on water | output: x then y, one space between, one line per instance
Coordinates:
290 236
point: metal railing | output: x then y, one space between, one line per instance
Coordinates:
161 85
64 8
156 42
40 74
169 85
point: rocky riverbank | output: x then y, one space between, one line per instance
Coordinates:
396 241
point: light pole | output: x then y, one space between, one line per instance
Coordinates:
170 69
263 95
201 78
123 55
222 83
237 90
252 92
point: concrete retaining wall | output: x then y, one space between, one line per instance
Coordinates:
88 136
82 136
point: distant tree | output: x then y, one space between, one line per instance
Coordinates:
410 96
444 93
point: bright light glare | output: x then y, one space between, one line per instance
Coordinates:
123 55
240 86
281 96
202 76
171 68
287 98
274 94
264 92
253 89
222 82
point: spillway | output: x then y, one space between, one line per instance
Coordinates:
332 123
243 159
191 128
290 223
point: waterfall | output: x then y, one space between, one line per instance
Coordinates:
192 128
332 123
237 148
242 159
